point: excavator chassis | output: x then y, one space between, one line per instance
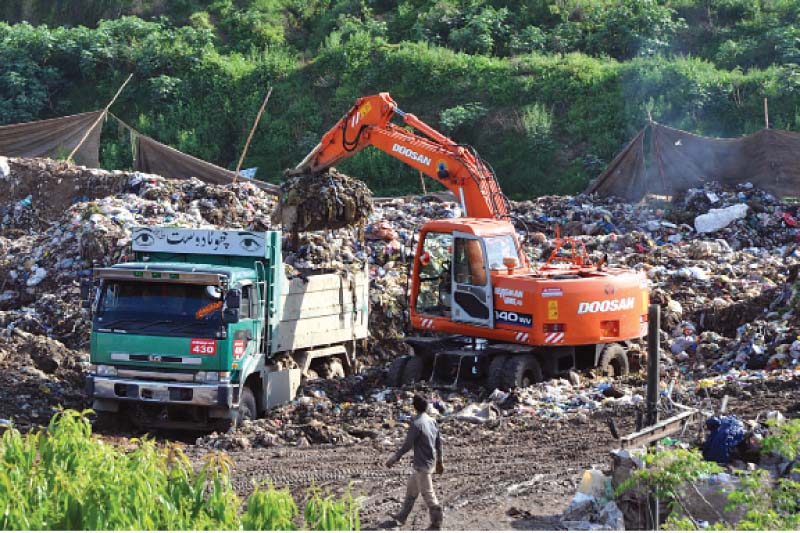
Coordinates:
447 362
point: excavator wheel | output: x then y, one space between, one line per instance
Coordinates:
496 373
614 361
395 376
522 371
415 371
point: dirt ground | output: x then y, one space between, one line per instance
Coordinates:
519 475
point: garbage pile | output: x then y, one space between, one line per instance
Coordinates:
728 287
360 407
38 376
723 265
35 192
329 200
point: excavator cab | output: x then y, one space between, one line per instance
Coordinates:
455 261
472 286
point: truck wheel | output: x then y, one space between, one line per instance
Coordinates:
414 371
106 421
247 405
522 371
614 361
395 376
494 379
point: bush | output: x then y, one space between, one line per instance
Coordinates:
64 478
776 508
581 75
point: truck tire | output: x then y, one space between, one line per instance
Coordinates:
614 361
414 371
522 371
395 375
247 405
106 421
495 376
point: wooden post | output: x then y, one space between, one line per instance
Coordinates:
422 181
766 114
653 378
250 137
96 122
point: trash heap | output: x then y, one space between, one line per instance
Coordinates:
324 201
723 265
346 411
35 192
726 280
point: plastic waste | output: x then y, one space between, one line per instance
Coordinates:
716 219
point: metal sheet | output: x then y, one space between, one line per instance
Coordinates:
199 241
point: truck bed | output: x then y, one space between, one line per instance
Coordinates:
322 309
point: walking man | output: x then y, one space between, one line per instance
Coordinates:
423 436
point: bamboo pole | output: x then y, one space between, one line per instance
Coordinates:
252 131
766 114
102 115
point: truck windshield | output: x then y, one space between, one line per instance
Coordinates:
159 308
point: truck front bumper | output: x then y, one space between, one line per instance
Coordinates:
210 395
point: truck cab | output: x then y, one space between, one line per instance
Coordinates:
203 329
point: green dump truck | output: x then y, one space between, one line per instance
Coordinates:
203 329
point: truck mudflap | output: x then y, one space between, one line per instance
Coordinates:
209 395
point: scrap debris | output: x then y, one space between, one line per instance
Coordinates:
728 296
325 201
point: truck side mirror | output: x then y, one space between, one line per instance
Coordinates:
230 315
233 301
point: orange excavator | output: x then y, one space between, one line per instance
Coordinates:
481 309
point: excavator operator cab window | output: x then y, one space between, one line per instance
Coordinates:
498 248
470 267
434 296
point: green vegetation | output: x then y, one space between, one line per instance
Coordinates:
64 478
768 505
546 90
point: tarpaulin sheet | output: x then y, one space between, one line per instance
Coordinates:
626 175
54 138
156 158
769 159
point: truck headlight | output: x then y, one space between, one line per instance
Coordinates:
204 376
106 370
212 377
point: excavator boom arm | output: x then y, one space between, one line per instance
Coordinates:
368 123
